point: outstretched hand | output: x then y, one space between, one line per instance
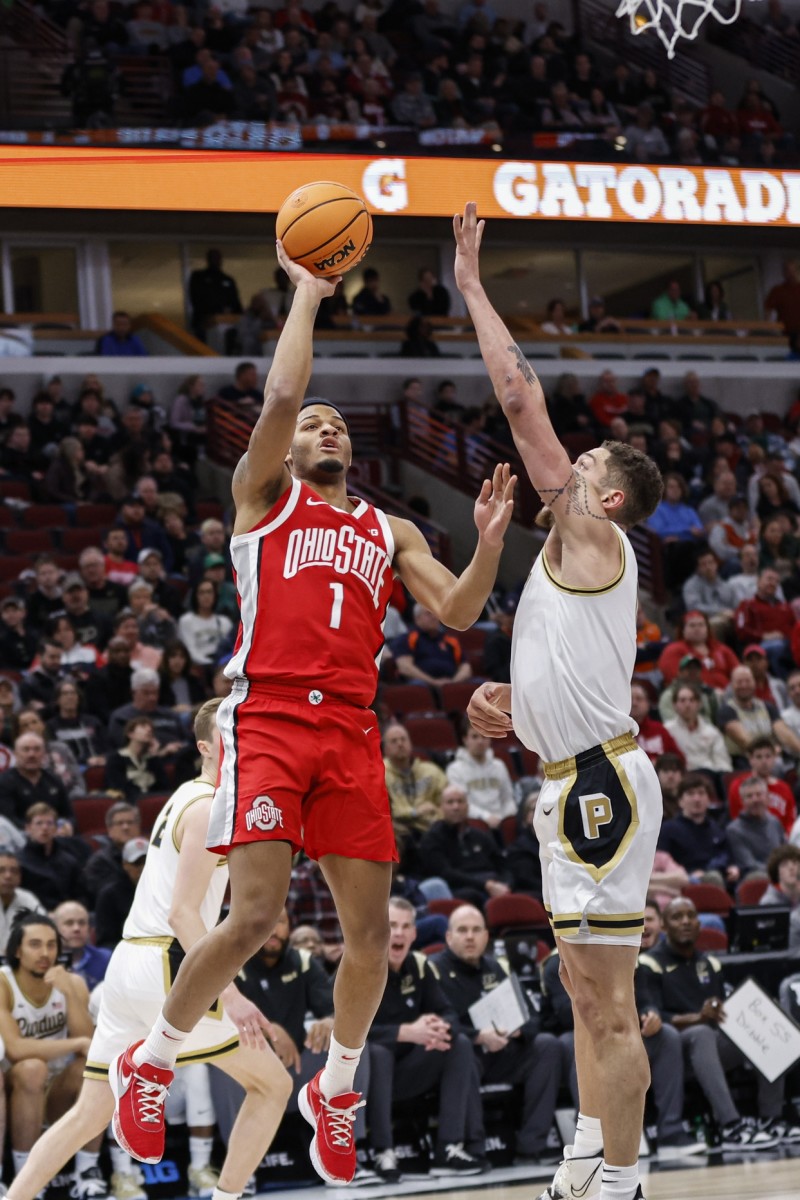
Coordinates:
299 276
468 232
495 505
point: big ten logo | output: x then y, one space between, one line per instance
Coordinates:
163 1172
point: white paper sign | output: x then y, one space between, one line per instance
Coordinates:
502 1009
761 1030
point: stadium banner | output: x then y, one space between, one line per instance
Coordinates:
249 182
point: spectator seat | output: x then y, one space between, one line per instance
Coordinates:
515 911
209 508
479 823
90 814
95 778
711 939
402 699
444 907
508 830
95 516
472 643
434 948
433 733
11 567
29 541
708 898
8 519
149 808
456 696
45 516
75 540
750 891
18 489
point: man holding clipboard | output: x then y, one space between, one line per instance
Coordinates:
509 1048
685 987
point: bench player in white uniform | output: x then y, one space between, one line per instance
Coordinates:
599 812
46 1028
177 899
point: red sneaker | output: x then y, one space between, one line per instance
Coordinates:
140 1093
333 1147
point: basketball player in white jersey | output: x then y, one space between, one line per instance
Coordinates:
599 811
46 1027
177 899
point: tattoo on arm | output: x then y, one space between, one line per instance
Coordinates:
577 492
523 366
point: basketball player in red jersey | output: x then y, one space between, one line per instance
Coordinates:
302 761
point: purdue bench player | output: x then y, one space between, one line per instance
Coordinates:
178 897
599 811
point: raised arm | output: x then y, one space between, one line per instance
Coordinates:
458 601
261 474
577 512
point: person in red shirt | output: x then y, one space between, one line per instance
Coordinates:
756 120
653 737
717 120
784 299
696 640
767 686
761 755
766 620
608 401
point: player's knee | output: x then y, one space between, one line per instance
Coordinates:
604 1012
30 1075
248 929
370 944
563 975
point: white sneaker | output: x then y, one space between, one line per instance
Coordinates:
576 1178
202 1181
89 1185
126 1186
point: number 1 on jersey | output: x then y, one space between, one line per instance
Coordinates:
336 607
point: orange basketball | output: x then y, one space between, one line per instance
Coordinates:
325 227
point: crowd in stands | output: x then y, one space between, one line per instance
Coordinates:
121 625
406 63
213 296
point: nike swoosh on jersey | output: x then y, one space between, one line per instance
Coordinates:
369 730
316 502
547 811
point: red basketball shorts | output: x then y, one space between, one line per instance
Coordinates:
297 766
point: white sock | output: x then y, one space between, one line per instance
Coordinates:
218 1194
619 1183
162 1046
200 1151
121 1163
340 1069
588 1137
20 1157
84 1159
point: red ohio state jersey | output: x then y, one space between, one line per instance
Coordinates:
314 585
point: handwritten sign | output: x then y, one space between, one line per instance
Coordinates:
761 1030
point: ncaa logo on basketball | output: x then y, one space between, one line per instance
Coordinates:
263 815
337 257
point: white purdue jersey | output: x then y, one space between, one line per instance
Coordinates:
149 914
48 1020
572 658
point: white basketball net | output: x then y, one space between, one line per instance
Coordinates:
674 19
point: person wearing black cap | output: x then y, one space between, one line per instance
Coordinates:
597 321
17 643
142 531
91 627
497 649
115 899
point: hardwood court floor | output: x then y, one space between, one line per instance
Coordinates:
773 1178
741 1181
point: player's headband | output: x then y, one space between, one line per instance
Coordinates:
313 401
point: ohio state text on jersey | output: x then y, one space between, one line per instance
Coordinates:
314 585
